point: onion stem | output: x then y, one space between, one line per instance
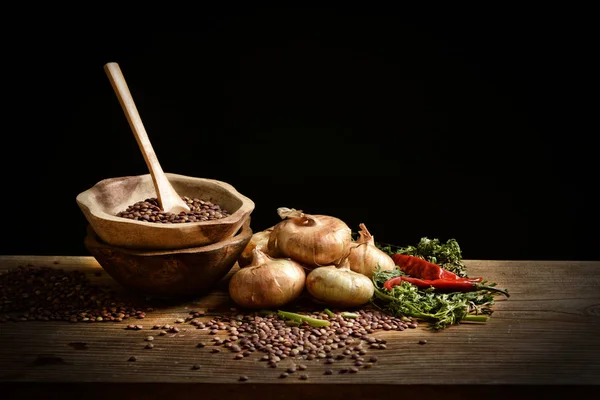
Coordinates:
314 322
329 313
349 315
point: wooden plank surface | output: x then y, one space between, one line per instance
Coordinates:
546 333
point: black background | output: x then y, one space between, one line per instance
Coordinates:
474 128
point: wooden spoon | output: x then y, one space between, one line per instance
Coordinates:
168 199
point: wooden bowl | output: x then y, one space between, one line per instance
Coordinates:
181 272
101 203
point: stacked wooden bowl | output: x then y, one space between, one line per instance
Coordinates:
165 259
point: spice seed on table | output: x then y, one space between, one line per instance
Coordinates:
196 366
149 346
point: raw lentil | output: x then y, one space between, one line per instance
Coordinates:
29 293
149 211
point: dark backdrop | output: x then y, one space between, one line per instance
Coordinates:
468 129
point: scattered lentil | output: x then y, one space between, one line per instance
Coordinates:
196 366
31 293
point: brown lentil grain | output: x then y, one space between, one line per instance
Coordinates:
150 211
51 294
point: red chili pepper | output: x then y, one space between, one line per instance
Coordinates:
423 269
445 285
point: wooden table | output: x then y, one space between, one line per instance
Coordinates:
543 341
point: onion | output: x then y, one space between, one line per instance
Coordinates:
312 240
365 256
339 286
267 282
258 239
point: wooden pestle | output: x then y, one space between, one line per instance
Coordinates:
168 198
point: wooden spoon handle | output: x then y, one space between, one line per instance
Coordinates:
168 199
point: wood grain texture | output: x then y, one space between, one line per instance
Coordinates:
546 333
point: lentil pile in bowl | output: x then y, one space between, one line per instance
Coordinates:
149 211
